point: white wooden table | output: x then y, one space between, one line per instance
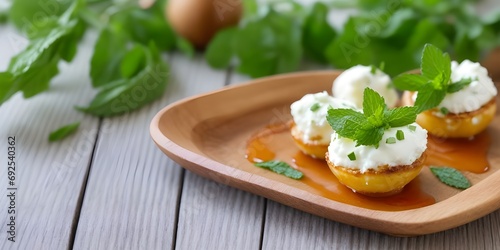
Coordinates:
109 187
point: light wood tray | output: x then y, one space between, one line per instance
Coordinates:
207 134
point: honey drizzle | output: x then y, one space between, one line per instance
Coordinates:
463 154
276 143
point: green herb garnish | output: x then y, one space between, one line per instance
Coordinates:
432 84
282 168
435 80
412 128
64 132
400 135
352 156
367 128
315 107
390 140
451 177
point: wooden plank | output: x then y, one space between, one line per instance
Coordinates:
49 176
288 228
216 216
133 188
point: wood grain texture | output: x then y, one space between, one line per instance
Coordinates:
288 228
49 176
132 191
216 216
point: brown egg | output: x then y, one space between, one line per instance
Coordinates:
491 62
199 20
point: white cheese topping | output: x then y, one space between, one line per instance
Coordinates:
474 96
351 83
313 123
402 152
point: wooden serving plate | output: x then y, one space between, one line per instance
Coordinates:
207 134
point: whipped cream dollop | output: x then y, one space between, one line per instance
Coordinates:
479 92
401 152
351 83
311 121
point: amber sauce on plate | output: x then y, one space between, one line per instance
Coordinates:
275 143
463 154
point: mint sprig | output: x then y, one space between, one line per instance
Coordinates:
63 132
282 168
435 80
367 128
451 177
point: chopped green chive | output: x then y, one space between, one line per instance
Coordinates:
412 128
400 135
373 70
390 140
315 107
444 111
352 156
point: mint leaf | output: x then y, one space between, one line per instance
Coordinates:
185 47
345 121
410 82
400 24
317 32
401 116
29 15
425 32
269 45
32 70
343 52
220 49
63 132
428 97
145 26
369 135
133 61
457 86
125 95
368 128
282 168
372 101
435 62
105 63
4 16
451 177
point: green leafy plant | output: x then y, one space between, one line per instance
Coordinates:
381 31
126 66
264 46
32 70
367 127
